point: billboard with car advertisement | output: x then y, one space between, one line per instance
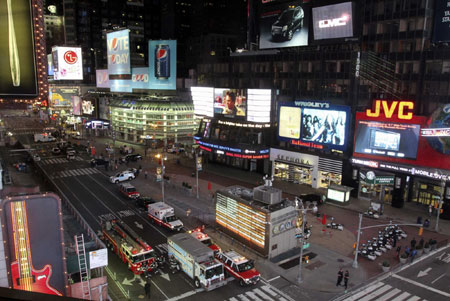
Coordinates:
441 28
139 78
162 64
18 75
313 124
102 78
61 96
284 25
333 21
118 52
69 65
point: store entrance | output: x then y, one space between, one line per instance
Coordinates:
293 173
426 193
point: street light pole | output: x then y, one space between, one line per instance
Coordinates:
299 278
162 174
355 261
196 169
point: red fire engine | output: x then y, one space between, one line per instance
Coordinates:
239 267
205 239
132 249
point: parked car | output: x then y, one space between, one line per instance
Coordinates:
132 170
131 157
70 154
128 190
122 176
56 151
144 201
36 157
287 23
99 161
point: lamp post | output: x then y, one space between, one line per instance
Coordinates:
303 210
198 164
159 156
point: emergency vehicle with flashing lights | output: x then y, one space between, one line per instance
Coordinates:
129 191
205 239
131 248
196 260
164 215
239 267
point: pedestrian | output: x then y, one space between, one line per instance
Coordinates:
426 223
399 248
407 251
395 241
413 254
145 174
413 243
430 210
421 242
147 289
340 276
346 276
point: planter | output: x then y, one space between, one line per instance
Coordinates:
385 269
403 260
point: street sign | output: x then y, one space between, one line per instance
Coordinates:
98 258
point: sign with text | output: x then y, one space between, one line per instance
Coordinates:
118 50
120 85
98 258
162 64
61 96
69 65
400 109
333 21
139 78
441 29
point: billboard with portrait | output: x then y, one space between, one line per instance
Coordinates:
313 124
118 50
333 21
284 25
76 105
139 78
61 96
102 78
230 103
18 75
388 139
441 28
69 65
162 64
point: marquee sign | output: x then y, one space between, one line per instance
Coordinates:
403 109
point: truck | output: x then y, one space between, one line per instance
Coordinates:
205 239
44 137
239 267
196 260
131 248
164 215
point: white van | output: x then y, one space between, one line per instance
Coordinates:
44 137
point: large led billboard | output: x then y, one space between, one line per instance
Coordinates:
313 124
441 29
259 105
284 25
102 78
230 103
203 98
18 75
62 96
333 21
69 63
139 78
389 139
118 50
162 64
120 85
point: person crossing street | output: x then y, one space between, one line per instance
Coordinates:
340 276
346 277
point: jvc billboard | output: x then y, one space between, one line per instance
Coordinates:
163 64
118 47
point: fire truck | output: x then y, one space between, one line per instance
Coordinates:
239 267
205 239
132 249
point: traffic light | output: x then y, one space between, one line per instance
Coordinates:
420 231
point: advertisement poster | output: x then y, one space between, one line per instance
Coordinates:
324 126
284 25
50 64
87 107
62 96
118 51
139 78
333 21
203 98
17 56
230 103
120 85
162 64
440 123
259 105
76 105
441 29
387 139
69 64
103 108
289 125
102 78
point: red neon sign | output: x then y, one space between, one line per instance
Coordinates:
404 109
306 144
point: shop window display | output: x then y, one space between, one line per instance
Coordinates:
292 173
328 178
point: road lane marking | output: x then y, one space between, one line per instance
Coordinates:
438 278
402 297
243 297
421 285
365 291
274 278
376 293
414 298
185 295
281 296
268 290
389 295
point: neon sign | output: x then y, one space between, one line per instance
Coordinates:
342 21
404 110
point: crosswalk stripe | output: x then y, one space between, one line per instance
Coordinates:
253 296
376 293
64 174
414 298
389 295
402 297
93 170
78 172
268 290
243 297
233 299
365 291
262 294
72 172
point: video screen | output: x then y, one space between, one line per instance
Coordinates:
231 103
441 32
333 21
284 25
289 122
324 126
396 140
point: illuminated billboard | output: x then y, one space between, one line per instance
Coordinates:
62 96
259 105
69 63
162 64
120 85
230 103
102 78
118 51
284 25
33 232
333 21
88 107
389 139
76 105
18 75
139 78
313 124
441 28
50 64
203 97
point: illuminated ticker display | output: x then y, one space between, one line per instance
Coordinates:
241 219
